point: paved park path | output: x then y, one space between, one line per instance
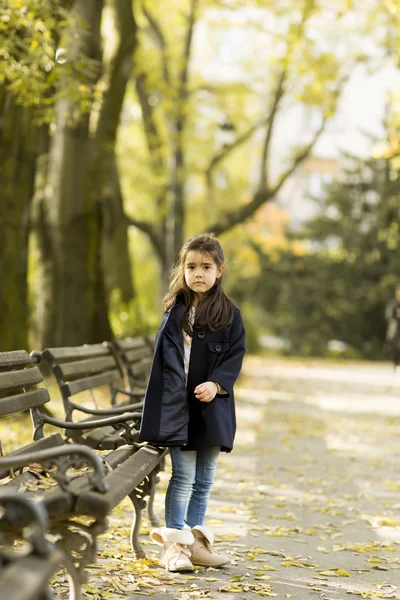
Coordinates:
307 506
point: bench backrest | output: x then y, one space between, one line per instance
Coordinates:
81 368
18 393
18 378
136 355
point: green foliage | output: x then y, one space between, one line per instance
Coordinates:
142 315
252 319
296 43
340 288
33 65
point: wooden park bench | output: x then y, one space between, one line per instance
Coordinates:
103 371
88 374
49 469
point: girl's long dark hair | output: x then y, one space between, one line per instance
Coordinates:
216 309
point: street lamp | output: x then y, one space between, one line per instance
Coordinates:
225 133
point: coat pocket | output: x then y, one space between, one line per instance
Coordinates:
218 347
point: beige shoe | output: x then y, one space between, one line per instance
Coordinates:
202 552
175 543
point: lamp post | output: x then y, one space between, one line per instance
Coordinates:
225 133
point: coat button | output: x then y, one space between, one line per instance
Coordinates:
218 348
201 335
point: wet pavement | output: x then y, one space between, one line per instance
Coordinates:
307 505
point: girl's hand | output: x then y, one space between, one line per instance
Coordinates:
205 392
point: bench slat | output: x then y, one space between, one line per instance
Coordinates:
11 380
119 455
51 441
138 354
142 367
14 359
75 352
24 401
75 369
19 484
80 385
130 343
121 482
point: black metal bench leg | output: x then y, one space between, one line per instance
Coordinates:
79 544
154 479
146 488
138 504
74 583
74 580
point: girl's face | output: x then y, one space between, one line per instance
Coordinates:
201 272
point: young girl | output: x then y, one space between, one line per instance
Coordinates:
189 402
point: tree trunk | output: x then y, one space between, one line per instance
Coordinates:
70 224
116 257
17 164
72 232
101 325
43 309
104 172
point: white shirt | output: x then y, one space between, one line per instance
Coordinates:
187 342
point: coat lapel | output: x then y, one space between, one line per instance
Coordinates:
173 327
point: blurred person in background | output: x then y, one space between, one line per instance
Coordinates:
392 314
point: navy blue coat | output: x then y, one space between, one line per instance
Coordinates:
172 415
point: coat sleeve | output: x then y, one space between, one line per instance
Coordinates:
228 370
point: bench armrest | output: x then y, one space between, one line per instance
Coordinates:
95 424
139 383
116 410
137 394
40 419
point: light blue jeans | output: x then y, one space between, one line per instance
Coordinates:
193 473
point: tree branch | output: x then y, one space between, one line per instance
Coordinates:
183 77
150 230
212 89
228 220
279 92
120 71
241 139
151 132
268 135
220 156
176 216
300 157
161 43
